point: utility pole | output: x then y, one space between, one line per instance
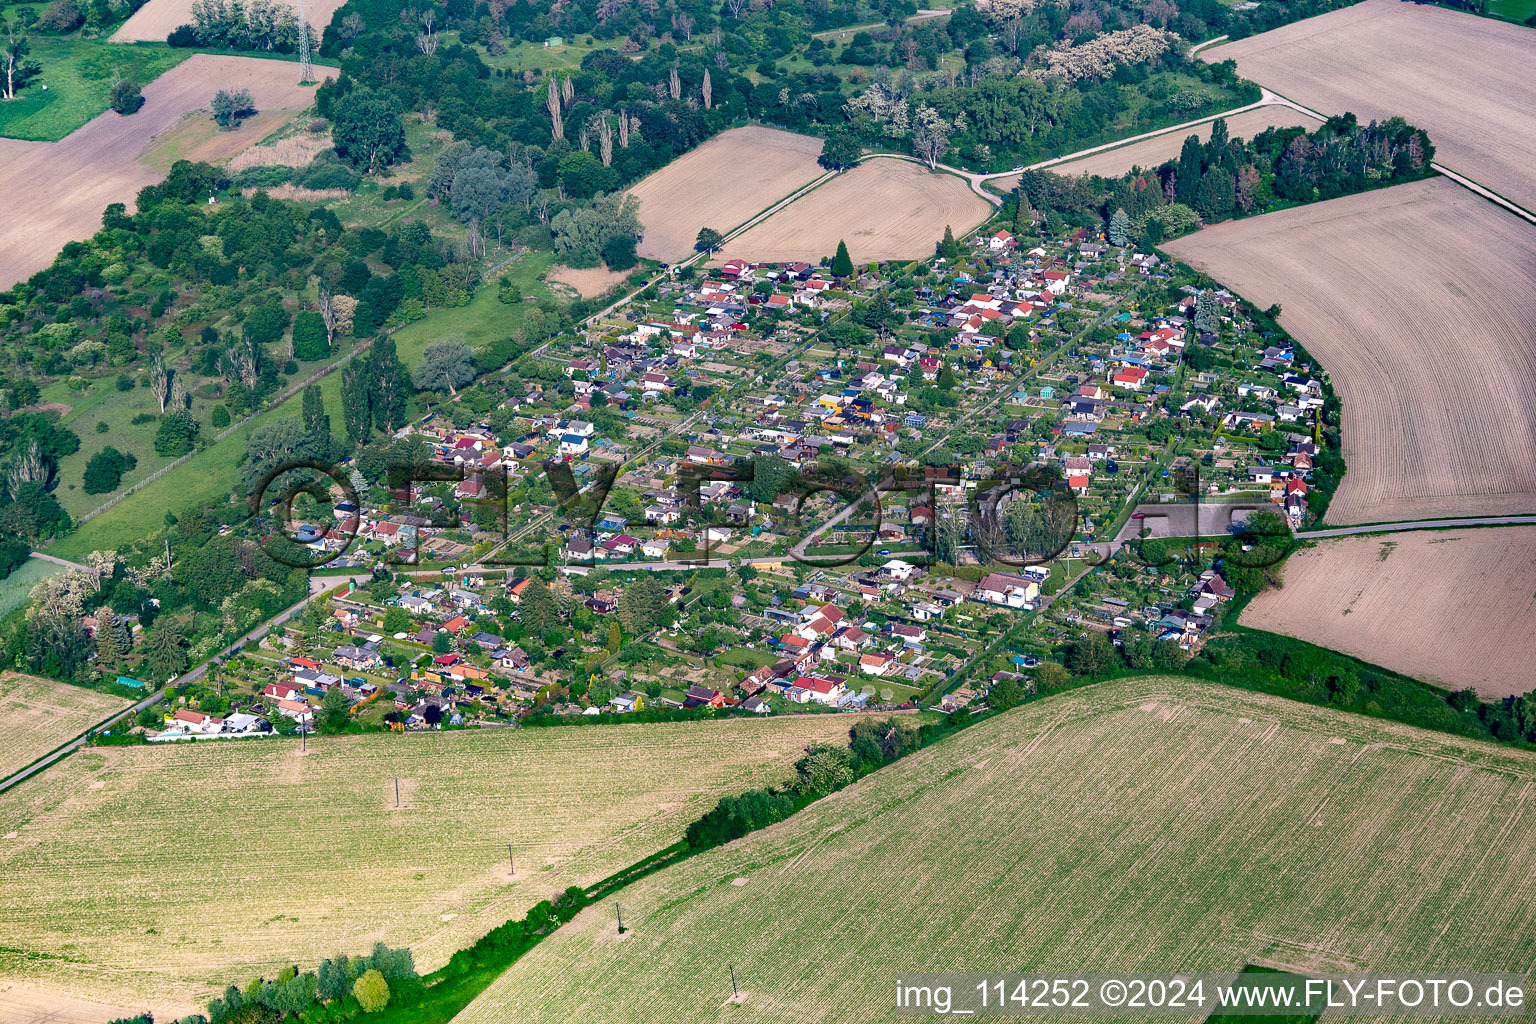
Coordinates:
510 860
306 65
620 911
735 992
397 791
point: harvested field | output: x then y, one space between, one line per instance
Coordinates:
1467 81
1449 606
65 186
26 1006
1140 825
884 209
588 282
721 184
1150 153
1420 301
159 18
38 715
244 856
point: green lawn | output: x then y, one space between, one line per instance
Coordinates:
211 473
1515 10
77 74
16 587
745 657
537 56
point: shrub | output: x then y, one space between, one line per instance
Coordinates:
264 176
372 991
220 417
177 434
182 35
126 97
230 107
60 16
309 341
104 473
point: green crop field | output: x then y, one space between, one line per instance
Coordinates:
1142 825
78 75
153 875
37 715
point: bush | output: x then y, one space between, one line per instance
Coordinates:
182 35
104 473
372 991
619 252
126 97
309 341
220 417
229 107
60 17
124 382
326 171
177 434
264 176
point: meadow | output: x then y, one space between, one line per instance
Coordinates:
154 875
1439 605
38 715
78 73
1140 825
1418 301
212 473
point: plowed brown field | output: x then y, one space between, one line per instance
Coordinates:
1449 606
721 185
884 209
1420 301
1468 81
60 189
159 18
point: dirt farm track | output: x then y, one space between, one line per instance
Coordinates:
66 185
1468 81
1153 152
1420 301
1450 606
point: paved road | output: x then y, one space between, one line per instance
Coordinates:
64 562
191 676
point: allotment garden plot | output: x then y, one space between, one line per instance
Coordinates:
1465 80
155 875
722 184
1420 302
1449 606
1141 825
885 209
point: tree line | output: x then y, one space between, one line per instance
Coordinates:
1227 177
